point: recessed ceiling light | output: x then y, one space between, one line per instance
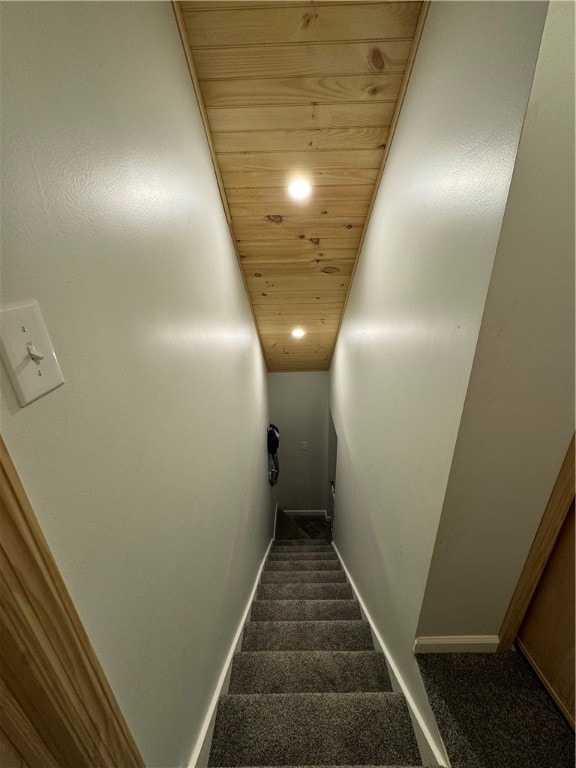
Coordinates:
299 189
298 333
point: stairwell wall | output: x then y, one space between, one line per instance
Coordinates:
299 407
518 417
147 469
406 346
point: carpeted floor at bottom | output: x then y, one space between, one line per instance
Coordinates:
302 527
493 712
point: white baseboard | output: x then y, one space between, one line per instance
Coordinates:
275 519
211 711
307 512
437 750
457 644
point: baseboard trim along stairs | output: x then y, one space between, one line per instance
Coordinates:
307 687
457 644
437 750
202 742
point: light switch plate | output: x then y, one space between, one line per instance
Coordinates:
23 337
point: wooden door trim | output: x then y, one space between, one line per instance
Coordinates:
545 682
552 521
62 710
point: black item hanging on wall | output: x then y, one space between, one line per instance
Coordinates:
273 438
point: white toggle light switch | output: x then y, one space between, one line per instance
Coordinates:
27 352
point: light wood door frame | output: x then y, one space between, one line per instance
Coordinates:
546 635
57 707
552 521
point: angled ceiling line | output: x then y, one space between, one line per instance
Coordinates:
298 260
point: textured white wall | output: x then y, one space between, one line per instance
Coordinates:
299 407
519 413
403 359
148 468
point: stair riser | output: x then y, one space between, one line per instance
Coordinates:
299 542
289 550
304 592
309 672
313 729
305 610
331 555
302 565
285 577
307 636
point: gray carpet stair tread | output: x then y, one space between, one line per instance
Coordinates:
305 610
298 542
302 565
313 728
325 555
304 591
307 636
292 577
308 548
308 672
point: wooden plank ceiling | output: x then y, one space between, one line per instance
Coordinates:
291 89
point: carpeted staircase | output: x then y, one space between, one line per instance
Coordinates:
308 688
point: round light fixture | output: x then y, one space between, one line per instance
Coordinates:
298 333
299 189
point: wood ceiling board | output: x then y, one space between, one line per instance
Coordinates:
298 350
318 355
276 223
262 229
308 320
330 178
308 160
314 343
283 300
366 113
304 249
253 262
275 331
279 194
300 140
304 24
278 360
288 366
328 210
281 326
300 90
301 309
283 284
310 367
284 360
303 268
359 58
300 306
213 5
273 304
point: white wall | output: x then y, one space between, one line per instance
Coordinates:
147 470
403 359
519 413
299 407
